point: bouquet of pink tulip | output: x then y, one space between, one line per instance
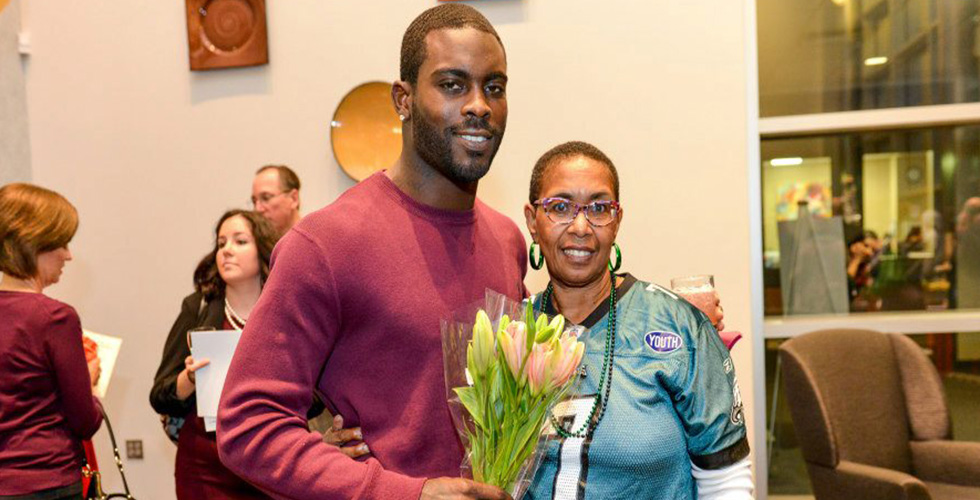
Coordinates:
512 376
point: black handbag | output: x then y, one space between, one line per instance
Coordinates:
94 490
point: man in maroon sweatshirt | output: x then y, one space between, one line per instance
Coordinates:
352 306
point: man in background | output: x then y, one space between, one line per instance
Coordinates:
275 196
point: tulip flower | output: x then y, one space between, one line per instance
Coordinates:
510 342
565 358
538 368
529 324
558 324
543 331
504 321
481 352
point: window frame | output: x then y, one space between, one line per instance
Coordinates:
806 125
879 120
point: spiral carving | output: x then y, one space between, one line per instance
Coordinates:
227 24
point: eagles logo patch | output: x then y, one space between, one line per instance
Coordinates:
737 416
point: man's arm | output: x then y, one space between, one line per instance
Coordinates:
262 430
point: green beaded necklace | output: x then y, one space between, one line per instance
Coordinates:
605 380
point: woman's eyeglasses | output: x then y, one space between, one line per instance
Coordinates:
564 211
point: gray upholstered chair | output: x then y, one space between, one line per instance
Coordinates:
870 413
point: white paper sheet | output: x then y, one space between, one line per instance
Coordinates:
108 352
218 346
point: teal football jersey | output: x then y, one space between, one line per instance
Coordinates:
674 400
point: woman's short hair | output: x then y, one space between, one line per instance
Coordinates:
33 220
565 151
207 279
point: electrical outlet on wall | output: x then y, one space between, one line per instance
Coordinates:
134 448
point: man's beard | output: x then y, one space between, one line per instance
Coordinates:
435 148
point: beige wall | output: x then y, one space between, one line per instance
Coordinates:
152 153
15 151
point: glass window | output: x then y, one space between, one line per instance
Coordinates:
874 221
818 56
957 358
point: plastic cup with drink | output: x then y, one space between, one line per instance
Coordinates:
700 292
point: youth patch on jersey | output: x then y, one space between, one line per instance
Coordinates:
663 342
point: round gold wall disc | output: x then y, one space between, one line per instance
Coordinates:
366 133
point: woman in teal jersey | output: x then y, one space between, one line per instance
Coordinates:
658 413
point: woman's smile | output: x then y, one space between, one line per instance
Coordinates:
578 254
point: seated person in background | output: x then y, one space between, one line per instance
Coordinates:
859 278
659 413
913 242
275 196
46 404
877 247
915 265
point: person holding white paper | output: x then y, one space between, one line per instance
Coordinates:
46 404
227 284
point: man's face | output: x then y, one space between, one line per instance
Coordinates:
271 202
459 104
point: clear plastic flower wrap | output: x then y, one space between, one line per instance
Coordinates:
506 367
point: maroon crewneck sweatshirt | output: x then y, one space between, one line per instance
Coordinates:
352 308
46 402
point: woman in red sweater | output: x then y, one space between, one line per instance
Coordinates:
46 402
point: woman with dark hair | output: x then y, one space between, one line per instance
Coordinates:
658 413
46 404
227 284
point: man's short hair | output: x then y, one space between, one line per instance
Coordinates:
33 220
288 180
569 150
446 16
